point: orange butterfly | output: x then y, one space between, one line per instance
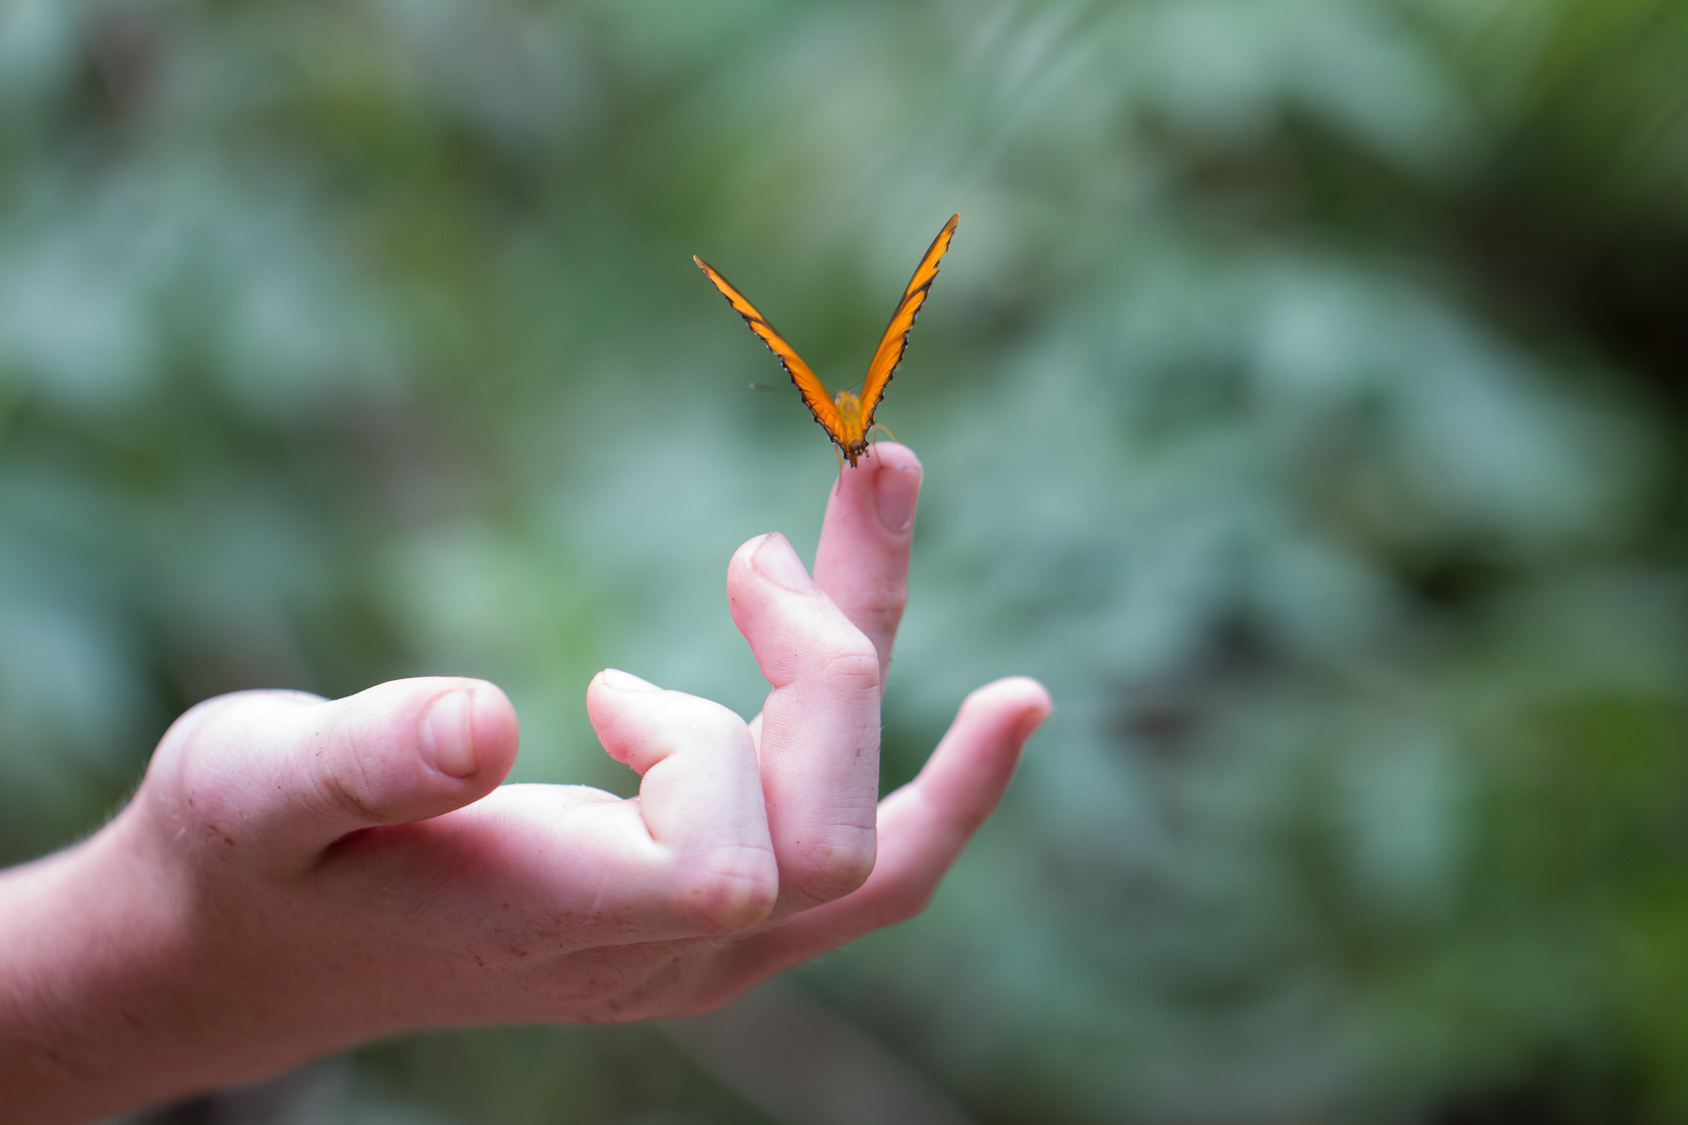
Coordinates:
846 417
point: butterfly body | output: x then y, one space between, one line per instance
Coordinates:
847 417
852 426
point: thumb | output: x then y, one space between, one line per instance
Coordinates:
277 776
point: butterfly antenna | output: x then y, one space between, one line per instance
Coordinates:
765 387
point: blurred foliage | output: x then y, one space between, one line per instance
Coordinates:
1302 400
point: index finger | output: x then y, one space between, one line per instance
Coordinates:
862 561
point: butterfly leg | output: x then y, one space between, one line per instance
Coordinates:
881 426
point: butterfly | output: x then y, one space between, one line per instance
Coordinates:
847 417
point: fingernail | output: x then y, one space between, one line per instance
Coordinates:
777 562
624 681
448 735
896 491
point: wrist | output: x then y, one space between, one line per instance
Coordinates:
98 976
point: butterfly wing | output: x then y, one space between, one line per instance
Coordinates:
814 392
895 341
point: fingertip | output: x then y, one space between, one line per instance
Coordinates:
1034 703
1022 696
983 746
614 701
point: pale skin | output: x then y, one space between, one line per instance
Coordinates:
297 875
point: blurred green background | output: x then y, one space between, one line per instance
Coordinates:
1302 400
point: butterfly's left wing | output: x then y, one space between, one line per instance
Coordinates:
814 392
895 341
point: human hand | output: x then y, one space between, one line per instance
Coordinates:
297 875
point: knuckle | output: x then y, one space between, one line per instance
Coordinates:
339 775
193 760
196 735
195 777
340 795
882 611
833 869
195 791
855 667
192 742
732 891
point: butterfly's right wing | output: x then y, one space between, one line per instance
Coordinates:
814 392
